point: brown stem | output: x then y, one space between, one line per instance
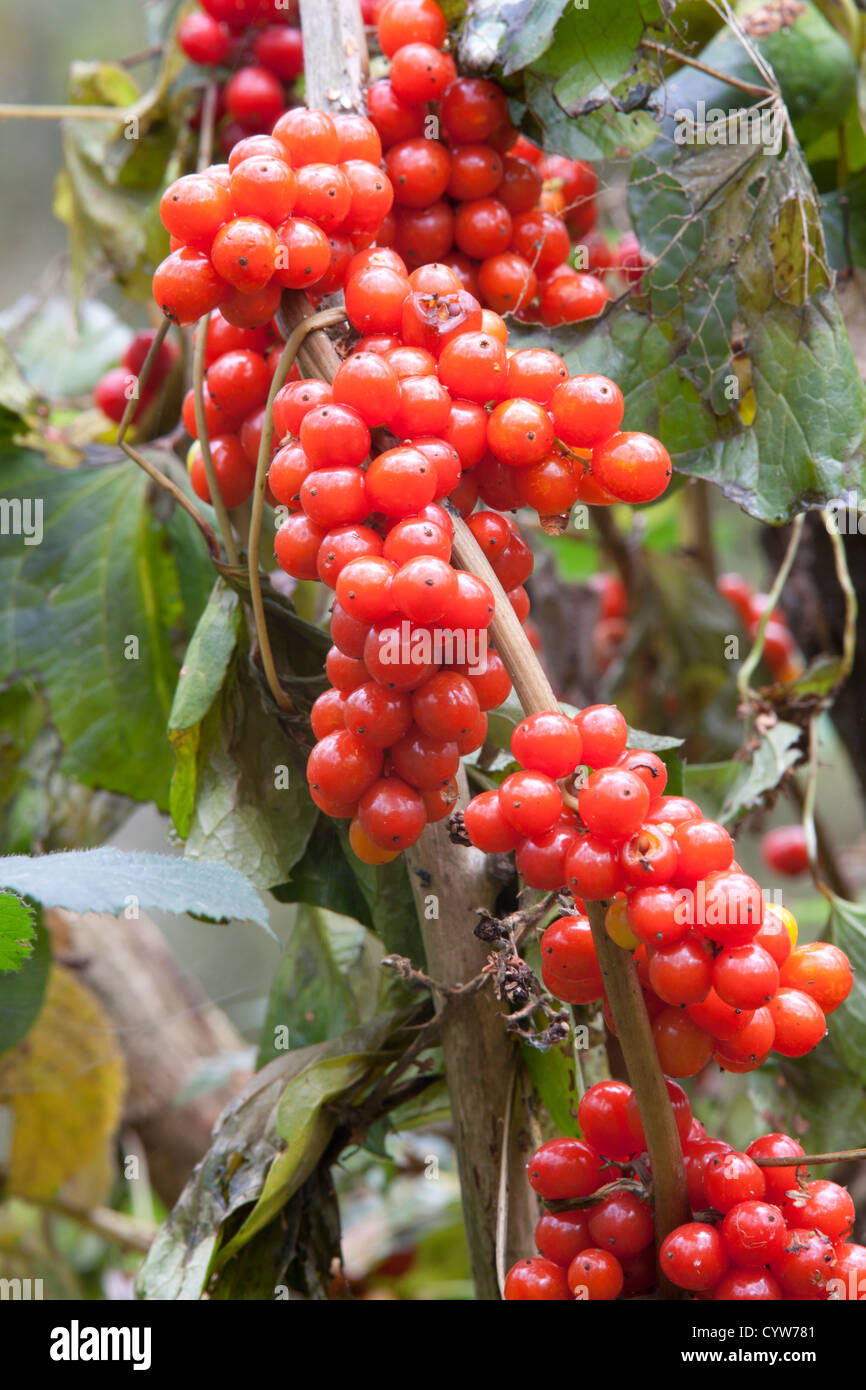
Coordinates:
702 67
838 1156
284 366
617 966
216 498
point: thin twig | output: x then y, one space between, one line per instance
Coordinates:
744 690
13 112
208 119
710 72
501 1237
216 498
846 584
838 1156
111 1225
284 366
167 484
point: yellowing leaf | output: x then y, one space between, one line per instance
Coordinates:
62 1088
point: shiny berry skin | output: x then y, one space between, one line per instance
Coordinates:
693 1256
703 847
251 310
731 1178
754 1233
592 868
368 385
473 367
203 39
334 436
613 803
648 767
753 1285
551 486
682 973
400 481
488 678
587 410
446 706
402 22
357 138
821 1206
603 1121
193 209
595 1276
621 1224
486 826
374 299
339 546
542 240
658 915
569 967
729 908
341 768
412 537
296 546
472 109
377 716
806 1264
746 977
424 762
234 472
616 924
420 72
717 1018
186 285
294 401
820 970
633 466
364 588
682 1047
604 733
530 801
254 97
548 743
392 814
264 187
682 1114
540 861
559 1236
851 1269
783 849
363 847
696 1156
748 1047
564 1168
244 252
308 137
520 432
303 254
536 1280
570 298
419 171
238 382
799 1022
774 934
779 1180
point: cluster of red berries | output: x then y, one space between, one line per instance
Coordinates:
286 212
258 43
718 966
482 199
779 650
759 1233
120 384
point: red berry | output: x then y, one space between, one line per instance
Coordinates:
564 1168
693 1256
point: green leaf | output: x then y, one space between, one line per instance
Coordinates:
847 1024
17 932
735 352
89 612
305 1119
62 352
252 806
323 877
710 784
777 751
843 215
388 894
552 1075
201 677
247 1147
111 880
330 979
22 993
